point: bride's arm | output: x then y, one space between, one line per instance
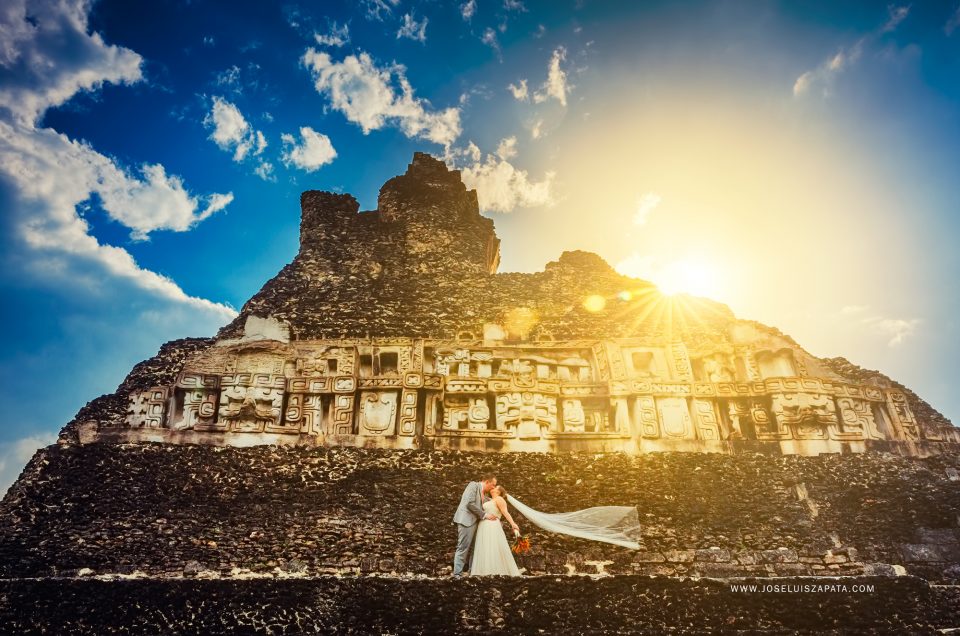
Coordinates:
502 505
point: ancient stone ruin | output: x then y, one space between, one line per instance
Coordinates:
391 328
297 473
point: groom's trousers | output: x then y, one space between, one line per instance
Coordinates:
465 536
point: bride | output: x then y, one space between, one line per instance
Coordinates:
491 552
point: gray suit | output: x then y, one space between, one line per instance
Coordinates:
468 513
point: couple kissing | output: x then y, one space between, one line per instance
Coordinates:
482 506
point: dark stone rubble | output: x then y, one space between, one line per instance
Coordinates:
544 605
173 510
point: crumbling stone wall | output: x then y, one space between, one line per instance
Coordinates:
422 265
170 510
110 409
567 605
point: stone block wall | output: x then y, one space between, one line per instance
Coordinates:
561 605
169 510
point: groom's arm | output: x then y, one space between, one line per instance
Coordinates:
472 504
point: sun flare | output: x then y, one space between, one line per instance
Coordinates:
685 276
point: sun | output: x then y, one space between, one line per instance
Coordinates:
687 277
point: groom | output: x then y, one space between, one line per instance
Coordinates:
468 513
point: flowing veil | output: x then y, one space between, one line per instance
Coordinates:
610 524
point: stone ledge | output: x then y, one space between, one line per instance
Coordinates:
555 605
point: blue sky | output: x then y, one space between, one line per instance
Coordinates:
797 161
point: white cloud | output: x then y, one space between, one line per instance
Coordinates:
519 90
646 204
489 38
264 170
468 9
536 130
827 73
373 97
412 29
48 57
514 5
229 78
556 84
897 15
233 133
15 455
507 149
953 22
896 329
53 175
313 151
501 186
379 9
337 36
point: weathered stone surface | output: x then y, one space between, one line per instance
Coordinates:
552 605
314 510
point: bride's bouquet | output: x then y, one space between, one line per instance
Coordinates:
521 545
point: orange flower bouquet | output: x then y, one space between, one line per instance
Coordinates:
521 544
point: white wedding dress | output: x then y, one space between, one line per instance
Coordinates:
491 551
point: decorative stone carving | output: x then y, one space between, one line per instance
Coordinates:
600 355
855 422
746 358
148 409
342 421
707 419
196 399
251 403
675 417
902 416
767 427
645 417
527 412
305 413
574 417
378 412
323 388
681 362
808 415
738 411
718 368
466 413
408 412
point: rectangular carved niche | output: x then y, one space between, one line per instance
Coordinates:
306 413
466 412
195 402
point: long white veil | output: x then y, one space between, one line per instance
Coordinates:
610 524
